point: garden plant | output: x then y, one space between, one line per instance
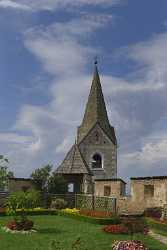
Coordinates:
17 205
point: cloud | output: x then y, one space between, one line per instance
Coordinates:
60 47
14 5
43 134
51 5
151 153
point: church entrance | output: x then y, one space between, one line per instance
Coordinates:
74 183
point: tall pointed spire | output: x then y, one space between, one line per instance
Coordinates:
95 111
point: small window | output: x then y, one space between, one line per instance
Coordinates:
97 136
71 187
96 161
148 191
107 190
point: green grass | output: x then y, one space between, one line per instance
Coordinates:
158 231
66 231
157 227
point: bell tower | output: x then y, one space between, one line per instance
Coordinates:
95 136
93 157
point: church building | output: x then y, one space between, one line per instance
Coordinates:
92 160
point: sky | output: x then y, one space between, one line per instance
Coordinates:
47 51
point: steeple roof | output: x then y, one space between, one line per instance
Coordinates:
73 163
95 111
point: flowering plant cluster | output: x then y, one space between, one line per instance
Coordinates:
153 212
2 209
95 213
70 210
115 229
20 225
128 245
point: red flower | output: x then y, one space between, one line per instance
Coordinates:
115 229
94 213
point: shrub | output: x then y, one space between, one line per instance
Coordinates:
135 225
58 204
22 201
115 229
17 205
70 211
155 212
74 213
128 245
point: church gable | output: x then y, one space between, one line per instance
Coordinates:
97 136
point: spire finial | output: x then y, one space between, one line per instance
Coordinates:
95 60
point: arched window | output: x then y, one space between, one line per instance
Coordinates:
96 161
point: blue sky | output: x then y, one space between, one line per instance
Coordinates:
46 64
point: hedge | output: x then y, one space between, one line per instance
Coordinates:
93 220
156 224
35 212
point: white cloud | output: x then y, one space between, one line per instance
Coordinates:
14 5
151 155
50 5
134 107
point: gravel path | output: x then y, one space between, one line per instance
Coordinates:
161 238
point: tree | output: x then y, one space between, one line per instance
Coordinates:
41 176
4 173
57 184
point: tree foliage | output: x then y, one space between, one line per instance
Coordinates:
21 201
4 173
41 176
57 184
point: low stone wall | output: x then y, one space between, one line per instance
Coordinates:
126 205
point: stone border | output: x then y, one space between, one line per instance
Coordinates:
7 230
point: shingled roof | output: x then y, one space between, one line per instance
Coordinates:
96 111
73 163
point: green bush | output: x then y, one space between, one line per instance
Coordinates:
22 201
93 220
135 225
58 204
34 212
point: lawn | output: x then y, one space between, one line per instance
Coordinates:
66 231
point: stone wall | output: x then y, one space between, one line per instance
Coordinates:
146 192
20 184
103 146
149 191
117 187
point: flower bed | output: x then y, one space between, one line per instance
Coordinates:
115 229
75 214
129 245
8 230
70 211
155 212
20 225
94 213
